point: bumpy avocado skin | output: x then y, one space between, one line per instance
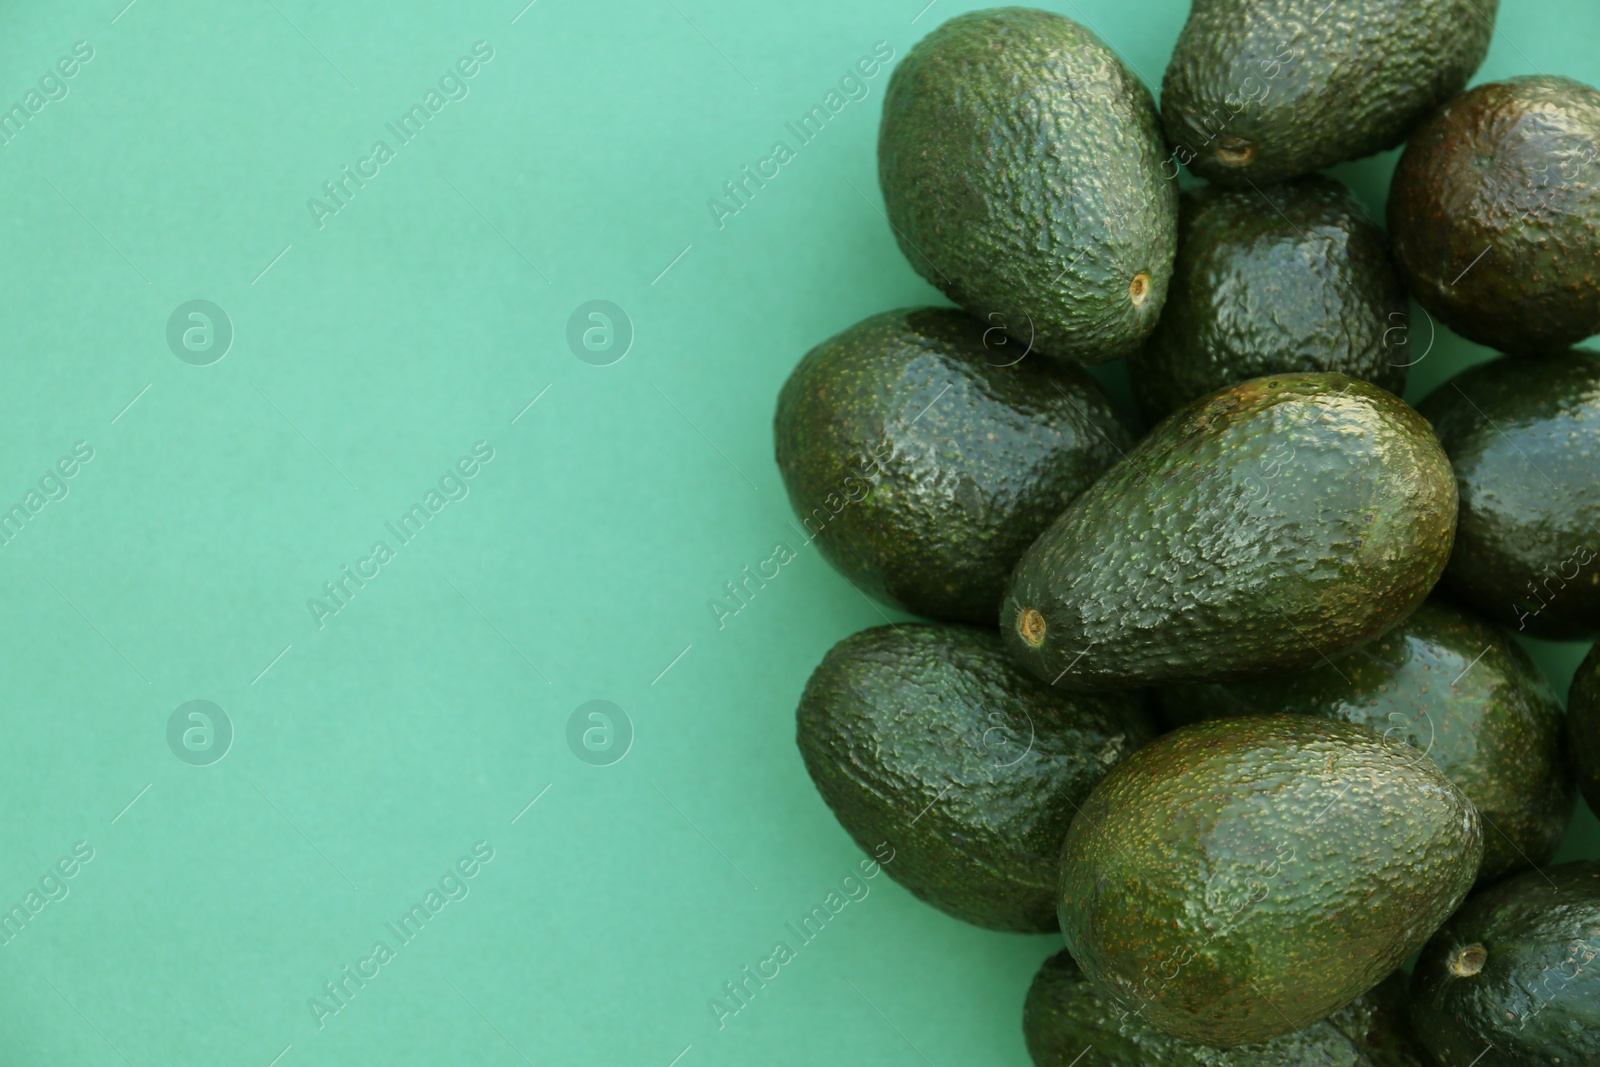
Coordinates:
1020 163
1291 277
1242 878
1256 531
1067 1022
929 738
1534 1000
1524 438
1455 688
1583 727
1494 209
1378 1022
1264 90
923 456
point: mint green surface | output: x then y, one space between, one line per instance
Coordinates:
376 746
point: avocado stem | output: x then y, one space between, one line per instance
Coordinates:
1235 151
1467 960
1139 288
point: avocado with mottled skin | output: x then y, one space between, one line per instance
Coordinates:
928 737
1494 210
924 456
1242 878
1292 277
1258 91
1583 727
1378 1022
1524 438
1513 979
1255 532
1455 688
1020 164
1067 1022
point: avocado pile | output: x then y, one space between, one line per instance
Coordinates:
1232 702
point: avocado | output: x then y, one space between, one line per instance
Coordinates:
1260 92
1513 979
1067 1022
923 456
929 738
1378 1022
1292 277
1524 438
1583 727
1494 210
1241 878
1020 164
1260 530
1455 688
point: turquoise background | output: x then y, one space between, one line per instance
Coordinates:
374 748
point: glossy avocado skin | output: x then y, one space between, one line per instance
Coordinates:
1378 1022
1583 727
1291 277
1534 999
929 738
923 464
1020 167
1453 687
1263 91
1254 532
1524 438
1067 1022
1494 210
1242 878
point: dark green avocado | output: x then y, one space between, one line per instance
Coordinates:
1260 92
924 456
1378 1022
928 738
1291 277
1242 878
1258 531
1513 979
1067 1022
1583 727
1455 688
1524 438
1020 163
1494 210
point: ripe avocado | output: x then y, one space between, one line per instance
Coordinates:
1494 210
928 737
1583 727
1524 438
1378 1022
1259 92
923 457
1020 163
1066 1021
1260 530
1291 277
1459 690
1513 979
1242 878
